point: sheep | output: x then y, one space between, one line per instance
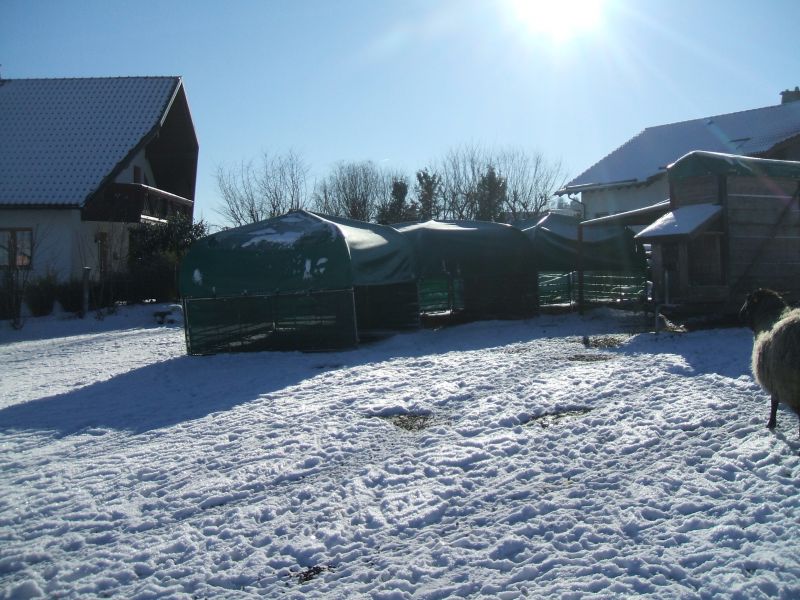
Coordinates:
776 349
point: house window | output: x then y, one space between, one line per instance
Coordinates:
16 248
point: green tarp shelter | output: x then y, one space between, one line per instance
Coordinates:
605 248
480 269
297 281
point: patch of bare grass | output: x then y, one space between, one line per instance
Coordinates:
411 421
549 419
590 357
310 573
604 342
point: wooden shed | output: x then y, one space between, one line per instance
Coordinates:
733 226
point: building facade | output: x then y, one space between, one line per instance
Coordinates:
83 160
635 174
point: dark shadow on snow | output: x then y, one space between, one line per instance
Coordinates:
191 387
158 395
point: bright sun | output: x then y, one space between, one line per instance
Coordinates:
558 20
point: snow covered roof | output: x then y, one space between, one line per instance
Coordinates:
637 216
750 132
699 163
438 225
566 226
63 137
682 221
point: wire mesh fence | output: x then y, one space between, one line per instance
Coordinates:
441 294
332 319
381 309
477 296
321 320
318 320
598 287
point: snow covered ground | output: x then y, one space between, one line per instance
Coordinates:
530 465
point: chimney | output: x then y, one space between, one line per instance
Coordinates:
790 95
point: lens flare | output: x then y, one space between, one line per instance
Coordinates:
557 21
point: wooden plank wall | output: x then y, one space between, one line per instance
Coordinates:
763 219
704 260
696 190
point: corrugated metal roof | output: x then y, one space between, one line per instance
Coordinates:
749 132
62 137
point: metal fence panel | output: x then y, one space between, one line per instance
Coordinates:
598 286
315 321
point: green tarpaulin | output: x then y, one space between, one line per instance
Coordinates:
483 269
298 251
605 248
300 280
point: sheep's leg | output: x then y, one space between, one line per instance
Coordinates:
773 413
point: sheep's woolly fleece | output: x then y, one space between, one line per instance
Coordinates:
776 359
495 459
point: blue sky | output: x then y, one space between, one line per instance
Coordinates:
401 82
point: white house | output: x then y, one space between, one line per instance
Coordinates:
83 159
635 174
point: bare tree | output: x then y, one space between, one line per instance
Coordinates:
241 203
461 170
355 190
283 182
531 181
450 189
254 193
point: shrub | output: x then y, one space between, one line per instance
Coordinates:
12 292
154 278
40 295
108 290
155 254
8 302
70 295
102 294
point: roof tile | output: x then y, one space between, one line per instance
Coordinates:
62 137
